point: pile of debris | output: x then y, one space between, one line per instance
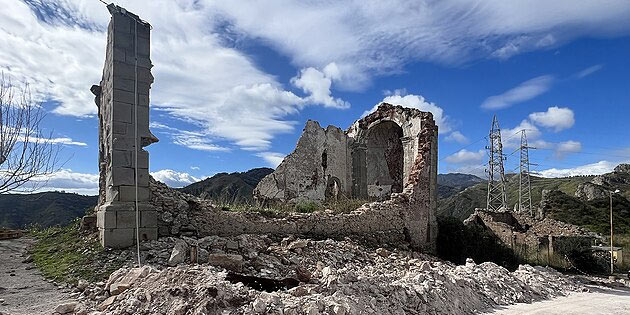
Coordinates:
253 274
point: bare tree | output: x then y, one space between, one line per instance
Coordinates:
26 156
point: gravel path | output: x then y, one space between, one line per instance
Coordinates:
604 301
23 290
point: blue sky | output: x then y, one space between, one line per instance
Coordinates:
236 81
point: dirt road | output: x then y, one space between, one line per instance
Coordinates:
23 290
601 301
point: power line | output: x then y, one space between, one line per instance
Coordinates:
524 183
497 197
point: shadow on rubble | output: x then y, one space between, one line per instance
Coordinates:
262 284
456 242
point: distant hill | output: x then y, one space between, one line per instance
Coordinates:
589 210
44 209
229 187
452 183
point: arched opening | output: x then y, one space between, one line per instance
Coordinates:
384 160
333 189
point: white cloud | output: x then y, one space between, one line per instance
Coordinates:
597 168
191 50
173 178
588 71
195 168
456 136
418 102
511 137
273 159
66 141
466 157
562 149
317 84
66 180
194 140
555 117
364 35
521 93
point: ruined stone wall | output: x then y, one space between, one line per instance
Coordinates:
547 241
115 97
391 155
317 166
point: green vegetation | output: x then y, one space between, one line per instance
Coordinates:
45 209
64 255
463 204
232 188
281 210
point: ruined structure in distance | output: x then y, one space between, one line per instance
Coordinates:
375 157
123 110
391 152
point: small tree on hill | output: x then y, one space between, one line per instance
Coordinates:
26 155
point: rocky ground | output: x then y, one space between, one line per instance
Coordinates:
262 275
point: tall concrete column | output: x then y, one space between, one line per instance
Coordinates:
124 93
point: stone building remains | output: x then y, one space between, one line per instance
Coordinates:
374 158
125 83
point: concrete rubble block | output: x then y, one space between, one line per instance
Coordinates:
117 238
126 176
121 24
227 261
123 112
126 219
128 193
148 219
123 129
106 219
148 233
109 301
178 255
66 308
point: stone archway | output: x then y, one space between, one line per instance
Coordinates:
384 159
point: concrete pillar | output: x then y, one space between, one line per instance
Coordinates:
128 42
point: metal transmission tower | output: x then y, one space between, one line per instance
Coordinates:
524 187
497 198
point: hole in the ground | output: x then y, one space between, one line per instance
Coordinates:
262 284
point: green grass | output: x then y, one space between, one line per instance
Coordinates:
281 210
63 255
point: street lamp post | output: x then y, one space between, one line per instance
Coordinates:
612 261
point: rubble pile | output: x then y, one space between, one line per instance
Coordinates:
174 209
320 277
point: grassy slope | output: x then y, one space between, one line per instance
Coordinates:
63 255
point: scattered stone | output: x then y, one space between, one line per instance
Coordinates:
66 308
178 255
109 301
227 261
382 252
297 244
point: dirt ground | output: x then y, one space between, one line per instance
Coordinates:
23 290
602 301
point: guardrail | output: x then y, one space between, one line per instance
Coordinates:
6 234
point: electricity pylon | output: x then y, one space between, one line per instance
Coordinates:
524 187
497 198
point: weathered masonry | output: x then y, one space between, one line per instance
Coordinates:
391 155
123 100
372 159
